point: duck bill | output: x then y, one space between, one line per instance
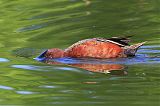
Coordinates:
41 57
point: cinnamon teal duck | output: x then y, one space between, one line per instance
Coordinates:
101 48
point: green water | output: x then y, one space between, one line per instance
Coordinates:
27 27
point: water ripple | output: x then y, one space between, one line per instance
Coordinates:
6 87
30 28
4 60
45 68
25 92
47 86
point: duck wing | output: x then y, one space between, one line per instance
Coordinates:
121 41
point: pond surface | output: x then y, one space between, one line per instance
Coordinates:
29 27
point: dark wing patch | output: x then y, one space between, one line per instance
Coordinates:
122 41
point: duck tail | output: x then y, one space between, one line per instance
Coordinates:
131 50
136 46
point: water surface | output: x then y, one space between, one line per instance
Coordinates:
30 27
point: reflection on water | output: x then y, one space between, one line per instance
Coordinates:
101 68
